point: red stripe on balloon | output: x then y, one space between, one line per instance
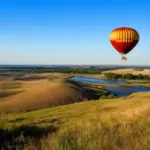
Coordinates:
124 47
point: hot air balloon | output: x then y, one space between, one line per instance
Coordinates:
124 39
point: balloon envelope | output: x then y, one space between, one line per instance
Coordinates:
124 39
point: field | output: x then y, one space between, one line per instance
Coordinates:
49 111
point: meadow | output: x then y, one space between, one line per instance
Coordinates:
121 123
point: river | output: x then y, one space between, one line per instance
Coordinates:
119 91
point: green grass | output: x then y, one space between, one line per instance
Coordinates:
122 123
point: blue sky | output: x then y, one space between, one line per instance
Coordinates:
71 31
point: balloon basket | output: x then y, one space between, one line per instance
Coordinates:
124 58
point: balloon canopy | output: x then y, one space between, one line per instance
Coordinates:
124 39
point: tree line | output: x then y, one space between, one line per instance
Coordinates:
91 70
127 76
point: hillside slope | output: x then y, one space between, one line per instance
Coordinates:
122 123
25 96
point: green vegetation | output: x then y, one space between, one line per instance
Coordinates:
105 124
128 76
82 70
21 70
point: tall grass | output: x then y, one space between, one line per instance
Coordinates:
129 130
99 135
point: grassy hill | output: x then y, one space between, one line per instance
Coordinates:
118 124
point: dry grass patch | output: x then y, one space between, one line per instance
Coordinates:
131 71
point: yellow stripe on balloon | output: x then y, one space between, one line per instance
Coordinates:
131 33
124 35
117 37
121 37
129 36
